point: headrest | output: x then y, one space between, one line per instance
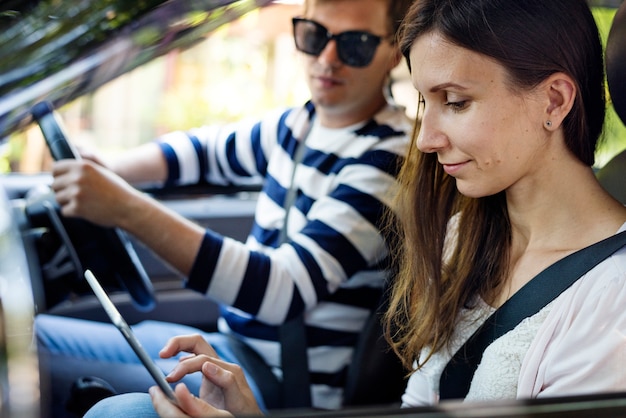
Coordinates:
616 62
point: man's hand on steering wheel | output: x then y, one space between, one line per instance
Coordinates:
85 189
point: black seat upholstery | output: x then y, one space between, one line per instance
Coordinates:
376 375
613 174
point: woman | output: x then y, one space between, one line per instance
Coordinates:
499 186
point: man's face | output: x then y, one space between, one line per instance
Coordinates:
345 94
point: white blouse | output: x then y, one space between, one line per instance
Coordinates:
575 345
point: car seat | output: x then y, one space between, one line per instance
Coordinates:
613 175
376 375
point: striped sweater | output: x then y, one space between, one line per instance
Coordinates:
332 264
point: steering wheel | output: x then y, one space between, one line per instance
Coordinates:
79 244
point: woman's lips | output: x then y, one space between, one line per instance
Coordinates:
454 168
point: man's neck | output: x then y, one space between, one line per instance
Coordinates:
335 119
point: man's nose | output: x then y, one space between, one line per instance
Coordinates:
329 55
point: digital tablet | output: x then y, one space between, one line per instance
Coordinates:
120 323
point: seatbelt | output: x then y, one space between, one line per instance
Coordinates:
296 385
295 364
458 374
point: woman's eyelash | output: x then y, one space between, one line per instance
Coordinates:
457 106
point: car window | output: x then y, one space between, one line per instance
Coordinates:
614 130
241 69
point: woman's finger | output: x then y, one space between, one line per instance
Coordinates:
187 365
187 343
191 405
229 377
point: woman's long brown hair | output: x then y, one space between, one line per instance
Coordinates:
426 295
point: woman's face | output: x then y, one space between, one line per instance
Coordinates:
486 136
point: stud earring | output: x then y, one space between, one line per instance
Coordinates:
549 123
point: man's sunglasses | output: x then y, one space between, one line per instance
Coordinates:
355 48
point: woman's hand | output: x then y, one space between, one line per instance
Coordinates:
224 386
188 404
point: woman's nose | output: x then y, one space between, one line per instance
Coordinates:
430 138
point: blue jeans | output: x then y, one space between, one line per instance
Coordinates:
123 406
73 348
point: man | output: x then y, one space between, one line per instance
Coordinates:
337 155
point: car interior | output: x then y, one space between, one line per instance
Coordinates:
43 255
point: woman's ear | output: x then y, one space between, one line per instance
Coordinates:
560 92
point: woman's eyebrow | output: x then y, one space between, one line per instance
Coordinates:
446 85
